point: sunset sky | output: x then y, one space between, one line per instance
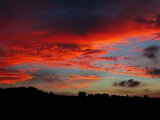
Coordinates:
66 46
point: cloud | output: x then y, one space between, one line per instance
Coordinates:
158 20
128 84
68 56
45 76
90 51
154 72
152 21
76 82
47 54
85 78
128 70
147 90
82 22
93 16
144 21
13 76
151 52
110 58
69 46
66 34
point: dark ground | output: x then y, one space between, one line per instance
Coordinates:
30 100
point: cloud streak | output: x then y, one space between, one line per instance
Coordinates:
13 76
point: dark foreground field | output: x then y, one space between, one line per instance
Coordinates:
32 100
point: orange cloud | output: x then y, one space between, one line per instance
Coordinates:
86 78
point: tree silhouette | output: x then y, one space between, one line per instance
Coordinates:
82 94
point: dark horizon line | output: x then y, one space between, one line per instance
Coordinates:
83 93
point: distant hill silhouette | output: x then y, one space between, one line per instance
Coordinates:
23 92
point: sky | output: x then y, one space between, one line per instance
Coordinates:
67 46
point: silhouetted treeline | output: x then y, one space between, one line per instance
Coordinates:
23 96
34 92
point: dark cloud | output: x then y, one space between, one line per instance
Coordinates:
69 46
91 51
130 83
144 21
154 71
45 76
158 20
2 53
73 17
151 52
149 21
109 58
83 17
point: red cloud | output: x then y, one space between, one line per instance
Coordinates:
72 41
49 55
13 76
123 69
